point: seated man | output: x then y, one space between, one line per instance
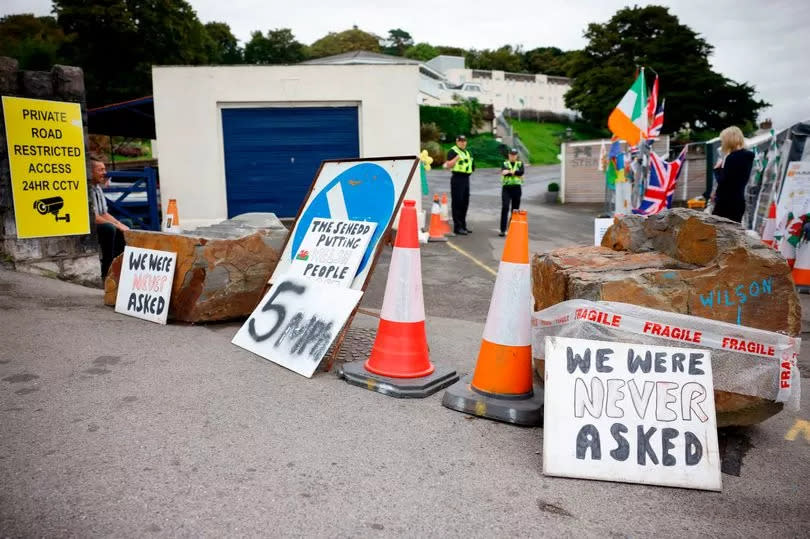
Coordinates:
110 230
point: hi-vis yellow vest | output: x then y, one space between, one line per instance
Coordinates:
465 160
511 179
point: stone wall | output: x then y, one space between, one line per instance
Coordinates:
72 258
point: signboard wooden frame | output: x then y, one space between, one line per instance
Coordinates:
383 239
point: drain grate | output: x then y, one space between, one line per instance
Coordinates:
356 347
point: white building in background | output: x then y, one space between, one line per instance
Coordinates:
504 90
240 139
444 77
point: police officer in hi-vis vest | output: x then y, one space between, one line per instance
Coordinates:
461 163
512 179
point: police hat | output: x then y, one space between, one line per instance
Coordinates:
461 137
513 151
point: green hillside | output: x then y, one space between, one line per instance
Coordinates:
543 139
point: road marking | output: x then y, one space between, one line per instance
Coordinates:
471 257
799 427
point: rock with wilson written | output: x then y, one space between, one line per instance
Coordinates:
680 261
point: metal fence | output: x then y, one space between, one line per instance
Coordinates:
137 201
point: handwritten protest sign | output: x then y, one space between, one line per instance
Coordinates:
600 226
145 285
296 322
795 196
369 190
332 250
630 413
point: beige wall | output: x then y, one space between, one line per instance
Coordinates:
581 178
538 92
693 177
188 119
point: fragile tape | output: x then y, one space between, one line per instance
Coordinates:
768 346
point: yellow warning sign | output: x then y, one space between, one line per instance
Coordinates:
48 173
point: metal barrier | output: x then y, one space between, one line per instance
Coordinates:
511 139
143 212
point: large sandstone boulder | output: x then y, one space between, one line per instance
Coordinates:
686 262
222 270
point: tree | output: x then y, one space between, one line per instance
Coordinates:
34 42
398 42
651 36
346 41
504 58
422 51
451 51
116 42
473 108
278 47
222 46
548 61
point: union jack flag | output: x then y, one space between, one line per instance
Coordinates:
655 112
663 177
657 122
652 101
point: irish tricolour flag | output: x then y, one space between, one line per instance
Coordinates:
628 120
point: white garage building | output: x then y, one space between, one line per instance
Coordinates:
238 139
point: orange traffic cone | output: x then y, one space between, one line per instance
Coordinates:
801 268
445 215
770 227
501 387
399 364
436 232
172 218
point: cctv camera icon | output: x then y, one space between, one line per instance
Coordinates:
52 205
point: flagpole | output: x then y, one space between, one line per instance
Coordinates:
686 174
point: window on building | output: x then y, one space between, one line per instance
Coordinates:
481 74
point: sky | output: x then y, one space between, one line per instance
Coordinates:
765 43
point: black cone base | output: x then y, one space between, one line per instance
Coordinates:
403 388
527 411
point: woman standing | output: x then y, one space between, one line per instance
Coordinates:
731 174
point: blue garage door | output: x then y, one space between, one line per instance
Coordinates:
272 154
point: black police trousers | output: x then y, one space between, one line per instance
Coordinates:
509 194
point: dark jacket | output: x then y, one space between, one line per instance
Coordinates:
731 181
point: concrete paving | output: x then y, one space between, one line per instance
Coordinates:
112 426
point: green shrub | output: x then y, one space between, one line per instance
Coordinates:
553 187
435 151
451 121
486 151
532 115
429 132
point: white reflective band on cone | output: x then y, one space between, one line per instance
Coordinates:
403 291
770 229
510 314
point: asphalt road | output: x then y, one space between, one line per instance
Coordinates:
111 426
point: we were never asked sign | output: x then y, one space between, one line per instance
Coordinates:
296 322
332 250
630 413
145 285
